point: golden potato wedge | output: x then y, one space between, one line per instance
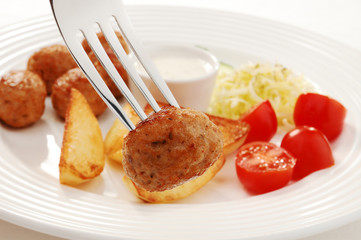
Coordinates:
82 154
179 192
234 132
113 142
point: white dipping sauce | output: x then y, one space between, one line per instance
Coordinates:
175 68
189 72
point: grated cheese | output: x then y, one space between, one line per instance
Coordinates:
236 91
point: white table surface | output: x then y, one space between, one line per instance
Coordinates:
336 19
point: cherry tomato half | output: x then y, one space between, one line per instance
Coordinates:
321 112
263 122
263 167
311 149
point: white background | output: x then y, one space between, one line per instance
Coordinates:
336 19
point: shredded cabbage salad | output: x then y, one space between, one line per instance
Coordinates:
236 91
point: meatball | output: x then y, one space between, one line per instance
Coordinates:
50 63
105 43
103 73
75 78
113 88
171 147
22 98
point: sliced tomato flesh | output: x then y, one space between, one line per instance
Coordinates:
263 167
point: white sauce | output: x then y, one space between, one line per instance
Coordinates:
175 68
189 72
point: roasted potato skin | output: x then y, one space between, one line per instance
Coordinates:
170 147
50 63
75 78
179 192
82 155
22 98
234 132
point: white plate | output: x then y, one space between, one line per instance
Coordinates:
103 209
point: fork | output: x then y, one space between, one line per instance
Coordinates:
77 19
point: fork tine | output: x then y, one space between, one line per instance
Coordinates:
140 51
80 56
103 58
117 48
69 18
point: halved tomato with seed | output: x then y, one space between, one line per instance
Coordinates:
263 167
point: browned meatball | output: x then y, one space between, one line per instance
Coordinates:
114 60
171 147
50 63
22 98
74 78
107 79
105 43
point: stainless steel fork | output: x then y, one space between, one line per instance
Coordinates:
82 18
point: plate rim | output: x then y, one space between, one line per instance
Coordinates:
50 228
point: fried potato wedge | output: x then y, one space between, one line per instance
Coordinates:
82 154
113 142
178 192
234 132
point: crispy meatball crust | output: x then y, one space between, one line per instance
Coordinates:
171 147
22 98
75 78
50 63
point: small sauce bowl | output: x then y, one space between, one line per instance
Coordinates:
189 72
